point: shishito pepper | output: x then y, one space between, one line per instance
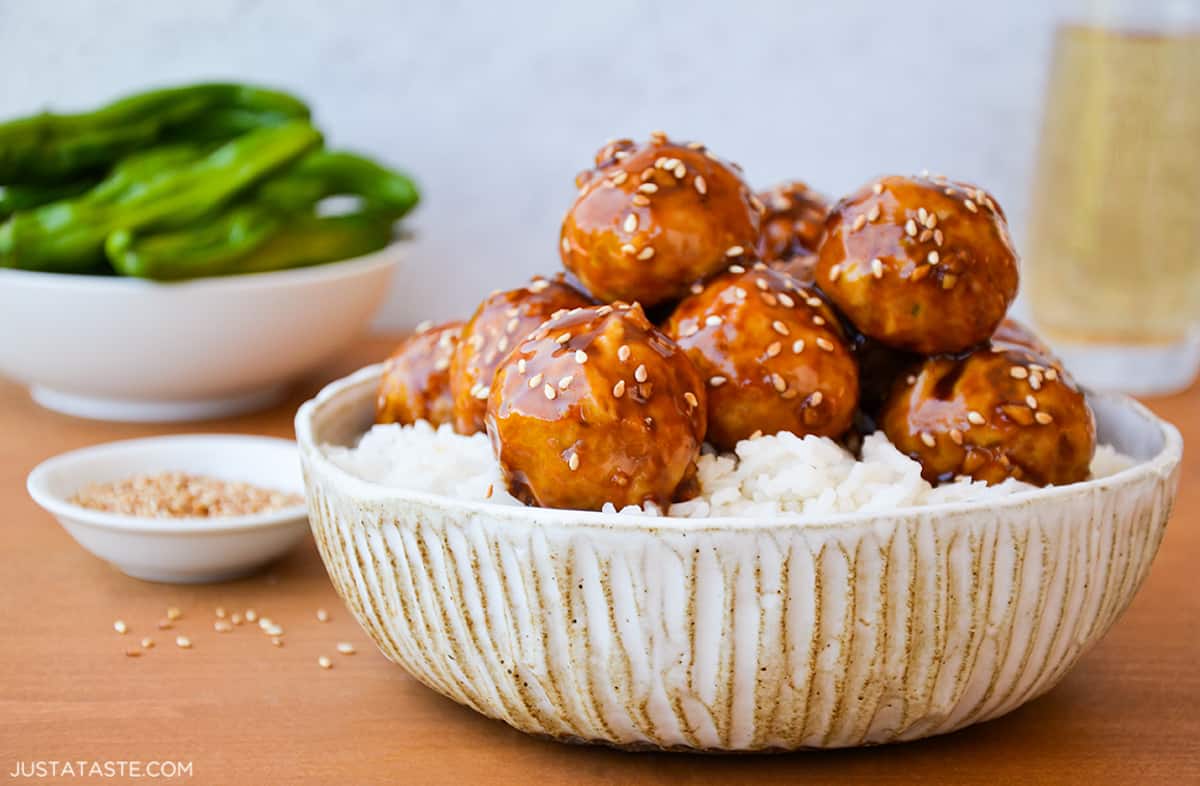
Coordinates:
54 148
277 222
249 239
69 236
27 197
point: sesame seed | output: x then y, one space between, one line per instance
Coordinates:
910 228
322 615
717 380
562 339
619 389
780 328
1044 418
701 186
131 652
798 346
648 188
639 200
689 331
937 236
535 380
877 267
713 320
969 205
628 248
631 222
183 642
1031 402
120 627
604 311
680 171
975 418
691 399
235 618
573 462
818 320
956 436
276 641
581 357
548 390
481 393
734 251
774 348
1018 372
815 398
911 379
761 283
423 326
859 222
1051 374
922 214
736 269
928 439
646 253
873 213
1035 381
324 662
814 301
877 188
695 145
639 373
623 353
835 272
825 344
565 382
539 285
222 626
619 177
521 364
173 613
147 643
933 257
778 382
930 221
925 235
786 300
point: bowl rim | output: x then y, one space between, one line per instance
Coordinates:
297 276
61 508
1161 465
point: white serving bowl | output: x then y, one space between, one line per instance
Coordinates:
177 550
737 634
129 349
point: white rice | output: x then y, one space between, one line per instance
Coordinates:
769 476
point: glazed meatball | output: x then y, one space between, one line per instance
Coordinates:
793 222
597 406
416 378
772 354
921 264
1001 411
652 219
501 322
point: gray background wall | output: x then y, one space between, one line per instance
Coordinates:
495 106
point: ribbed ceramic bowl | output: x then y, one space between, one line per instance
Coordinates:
738 634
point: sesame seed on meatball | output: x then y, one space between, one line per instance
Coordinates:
772 354
651 219
922 264
1000 411
501 321
416 378
597 406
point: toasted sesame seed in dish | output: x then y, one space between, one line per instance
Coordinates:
185 508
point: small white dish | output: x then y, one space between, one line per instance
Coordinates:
177 550
113 348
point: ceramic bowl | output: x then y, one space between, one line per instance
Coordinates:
127 349
736 634
177 550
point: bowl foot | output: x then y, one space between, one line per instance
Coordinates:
155 411
168 576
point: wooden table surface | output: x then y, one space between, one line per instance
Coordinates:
242 711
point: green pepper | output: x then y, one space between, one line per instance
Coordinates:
53 148
326 173
249 239
27 197
281 206
69 236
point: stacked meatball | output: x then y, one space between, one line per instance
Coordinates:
777 313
